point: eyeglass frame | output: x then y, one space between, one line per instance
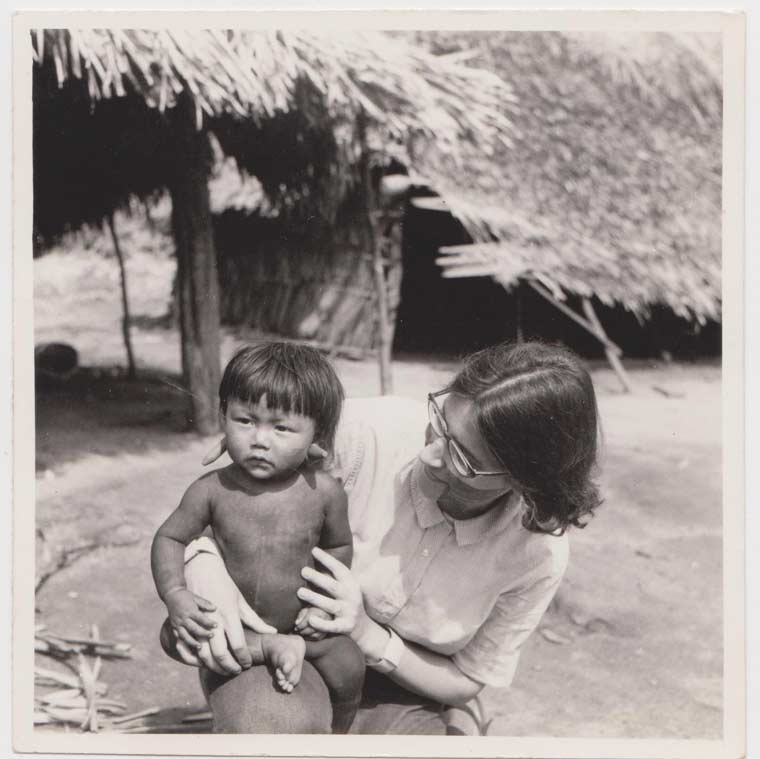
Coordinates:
472 472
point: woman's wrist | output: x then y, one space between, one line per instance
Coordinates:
370 637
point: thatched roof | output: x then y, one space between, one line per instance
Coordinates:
596 170
613 186
339 94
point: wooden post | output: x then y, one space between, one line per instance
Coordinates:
393 265
612 357
577 318
592 324
372 209
519 316
197 278
383 322
125 317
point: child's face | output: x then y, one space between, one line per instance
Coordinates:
266 443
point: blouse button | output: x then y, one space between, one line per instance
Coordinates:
426 552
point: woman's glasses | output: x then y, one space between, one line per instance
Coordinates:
458 460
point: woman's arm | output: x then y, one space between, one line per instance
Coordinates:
419 670
227 651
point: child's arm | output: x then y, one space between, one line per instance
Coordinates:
185 523
336 536
336 540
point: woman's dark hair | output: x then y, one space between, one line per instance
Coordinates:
295 378
536 410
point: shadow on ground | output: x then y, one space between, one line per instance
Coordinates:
99 411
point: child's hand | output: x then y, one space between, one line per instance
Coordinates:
188 620
303 623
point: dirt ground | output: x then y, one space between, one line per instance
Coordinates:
632 645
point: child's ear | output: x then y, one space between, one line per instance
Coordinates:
316 452
218 449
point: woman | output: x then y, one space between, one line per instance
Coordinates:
458 550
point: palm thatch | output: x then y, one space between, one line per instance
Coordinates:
613 186
254 74
431 112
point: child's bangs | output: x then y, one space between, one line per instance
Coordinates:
283 389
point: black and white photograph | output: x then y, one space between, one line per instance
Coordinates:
385 379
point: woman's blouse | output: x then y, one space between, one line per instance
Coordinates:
471 589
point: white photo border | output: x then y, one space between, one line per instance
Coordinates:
26 739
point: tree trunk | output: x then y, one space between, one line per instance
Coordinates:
125 317
197 280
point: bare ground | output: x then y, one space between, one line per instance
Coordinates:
631 647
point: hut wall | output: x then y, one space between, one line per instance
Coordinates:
300 283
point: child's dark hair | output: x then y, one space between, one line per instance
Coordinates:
295 378
536 409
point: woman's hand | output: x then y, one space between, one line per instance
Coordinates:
343 603
226 652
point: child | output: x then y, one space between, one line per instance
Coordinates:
279 406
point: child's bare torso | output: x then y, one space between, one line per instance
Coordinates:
266 536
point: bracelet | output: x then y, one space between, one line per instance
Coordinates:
174 590
394 648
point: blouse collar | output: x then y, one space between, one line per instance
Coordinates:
467 531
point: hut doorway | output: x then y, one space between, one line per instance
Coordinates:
455 316
445 316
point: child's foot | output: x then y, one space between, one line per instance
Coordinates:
284 654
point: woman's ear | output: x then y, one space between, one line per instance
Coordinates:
316 452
